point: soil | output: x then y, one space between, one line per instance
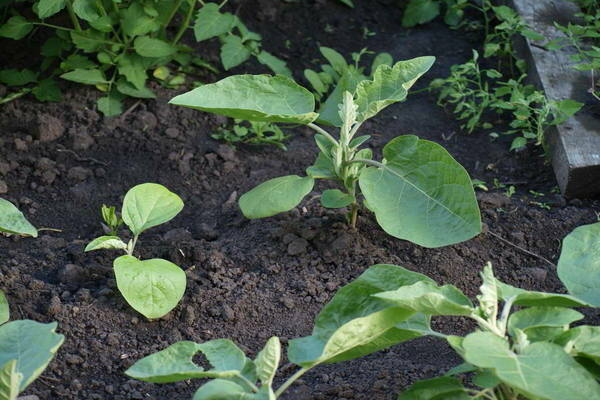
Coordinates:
249 280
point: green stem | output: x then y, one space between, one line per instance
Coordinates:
290 381
14 96
130 251
185 25
354 215
171 16
251 385
323 132
73 16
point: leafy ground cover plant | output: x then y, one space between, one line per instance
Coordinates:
26 349
152 287
474 93
253 132
418 192
13 222
113 44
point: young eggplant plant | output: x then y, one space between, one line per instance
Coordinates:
418 192
152 287
26 349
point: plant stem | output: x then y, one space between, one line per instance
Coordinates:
186 23
290 381
323 132
130 251
73 16
353 215
171 16
251 385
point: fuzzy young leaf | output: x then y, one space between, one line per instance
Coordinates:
13 221
436 389
329 110
417 173
31 344
542 317
253 97
354 323
175 363
152 287
106 242
541 370
335 198
488 299
16 28
267 361
10 381
579 263
210 22
389 85
275 196
148 205
146 46
4 308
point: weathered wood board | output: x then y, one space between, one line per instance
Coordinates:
575 145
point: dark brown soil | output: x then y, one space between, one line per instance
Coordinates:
249 280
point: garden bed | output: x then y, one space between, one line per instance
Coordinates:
249 280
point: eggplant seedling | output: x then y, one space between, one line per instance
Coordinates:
152 287
418 192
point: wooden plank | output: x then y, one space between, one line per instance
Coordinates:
574 146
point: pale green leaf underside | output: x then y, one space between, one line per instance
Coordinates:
528 298
106 242
275 196
10 381
13 221
148 205
423 195
31 344
579 263
536 317
152 287
267 361
542 369
253 97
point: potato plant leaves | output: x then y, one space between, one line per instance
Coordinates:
422 195
152 287
275 196
579 263
31 344
13 221
253 97
148 205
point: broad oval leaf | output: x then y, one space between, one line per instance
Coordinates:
47 8
422 195
579 263
152 287
275 196
233 52
146 46
4 308
335 198
221 389
542 317
389 85
86 76
584 341
354 323
106 242
542 369
31 344
522 297
148 205
13 221
440 388
255 98
16 28
210 22
430 299
175 363
267 361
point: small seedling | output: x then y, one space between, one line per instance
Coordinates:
26 349
111 220
152 287
479 184
418 192
252 132
13 222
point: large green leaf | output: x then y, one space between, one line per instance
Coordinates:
541 370
4 308
579 263
16 28
148 205
442 388
389 85
427 298
253 97
583 341
13 221
175 363
275 196
31 344
220 389
354 323
152 287
146 46
422 195
10 381
541 317
210 22
522 297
